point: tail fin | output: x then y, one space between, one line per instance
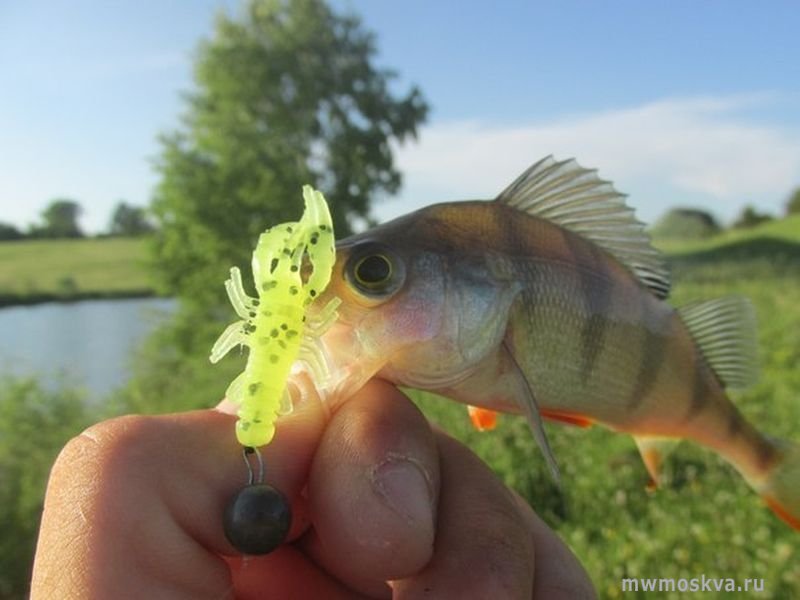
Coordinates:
781 489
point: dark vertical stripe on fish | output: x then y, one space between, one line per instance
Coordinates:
496 224
597 297
738 427
652 353
735 424
767 453
700 391
511 228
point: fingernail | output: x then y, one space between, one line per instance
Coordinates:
405 487
227 406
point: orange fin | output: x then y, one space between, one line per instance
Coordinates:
566 417
653 450
781 487
482 419
782 513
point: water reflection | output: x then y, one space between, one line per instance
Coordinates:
87 342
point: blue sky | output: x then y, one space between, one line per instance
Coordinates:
677 102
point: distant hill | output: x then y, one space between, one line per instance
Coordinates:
685 224
782 230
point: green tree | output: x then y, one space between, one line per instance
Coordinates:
9 232
685 223
129 221
749 217
285 95
60 220
793 204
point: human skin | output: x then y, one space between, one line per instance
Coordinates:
384 507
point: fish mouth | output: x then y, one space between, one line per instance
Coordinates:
333 359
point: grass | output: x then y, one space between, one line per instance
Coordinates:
704 520
43 270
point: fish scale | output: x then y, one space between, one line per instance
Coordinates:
556 310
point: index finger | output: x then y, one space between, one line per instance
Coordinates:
134 505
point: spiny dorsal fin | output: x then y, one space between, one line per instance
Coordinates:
578 200
725 331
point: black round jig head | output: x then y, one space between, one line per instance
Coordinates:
258 518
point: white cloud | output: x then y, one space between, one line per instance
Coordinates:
702 151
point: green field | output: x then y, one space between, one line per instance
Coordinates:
704 520
41 270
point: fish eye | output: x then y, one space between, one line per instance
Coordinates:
375 271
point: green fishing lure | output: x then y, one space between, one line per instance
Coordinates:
292 265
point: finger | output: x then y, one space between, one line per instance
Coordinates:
285 573
483 546
372 490
559 574
134 505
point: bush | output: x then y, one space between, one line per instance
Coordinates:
9 232
685 224
749 217
34 425
793 205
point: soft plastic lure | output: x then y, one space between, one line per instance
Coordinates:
292 265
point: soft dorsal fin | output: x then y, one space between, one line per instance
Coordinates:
725 331
578 200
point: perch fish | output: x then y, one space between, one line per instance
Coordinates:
550 301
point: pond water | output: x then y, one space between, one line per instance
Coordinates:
86 343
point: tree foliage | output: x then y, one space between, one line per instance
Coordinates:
793 204
9 232
60 220
685 223
750 217
129 220
286 94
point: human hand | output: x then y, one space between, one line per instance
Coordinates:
384 507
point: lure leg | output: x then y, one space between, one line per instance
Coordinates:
319 324
286 406
232 336
235 389
242 303
311 354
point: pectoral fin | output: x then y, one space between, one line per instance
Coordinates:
482 419
527 401
654 450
